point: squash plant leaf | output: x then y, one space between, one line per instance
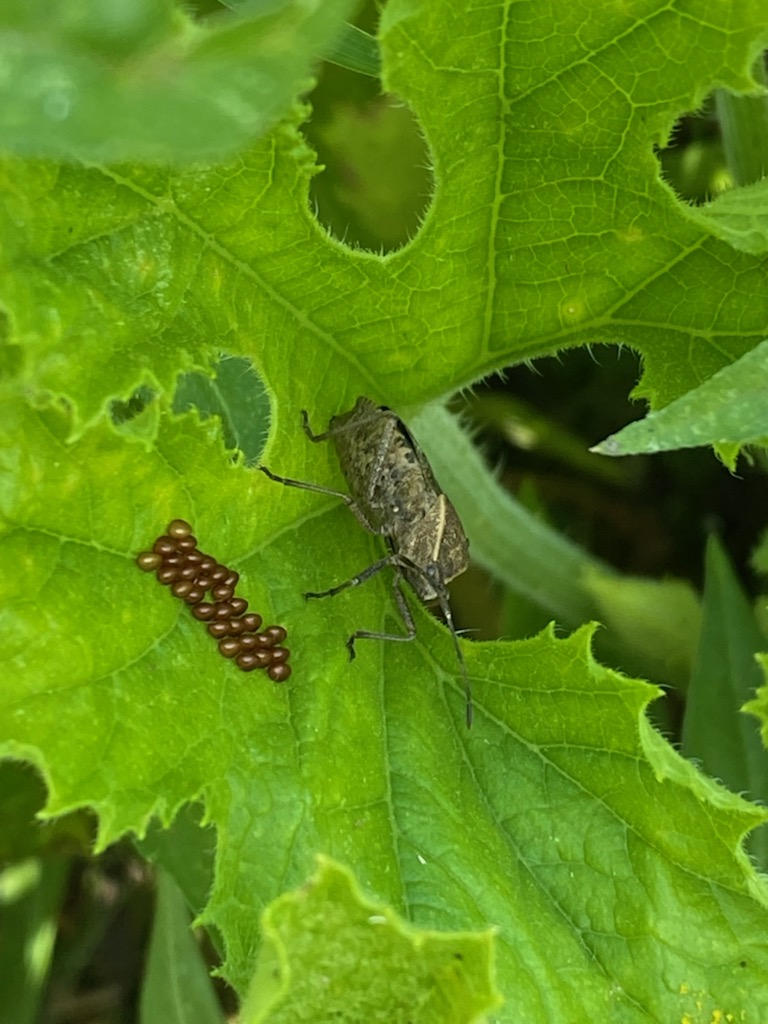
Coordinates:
739 216
612 868
101 80
727 409
415 975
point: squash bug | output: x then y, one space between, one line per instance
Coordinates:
393 493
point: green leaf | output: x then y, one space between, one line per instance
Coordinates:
187 852
114 80
385 776
237 396
758 706
739 216
730 407
413 975
665 612
613 870
355 50
31 894
177 988
724 677
107 248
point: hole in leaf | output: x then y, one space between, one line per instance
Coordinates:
717 162
722 146
124 411
376 183
236 394
694 162
137 417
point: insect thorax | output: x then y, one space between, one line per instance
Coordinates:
388 477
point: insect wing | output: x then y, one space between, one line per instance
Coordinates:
363 439
437 546
454 546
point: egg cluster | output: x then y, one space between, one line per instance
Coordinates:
179 564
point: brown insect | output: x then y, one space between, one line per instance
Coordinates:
190 574
393 493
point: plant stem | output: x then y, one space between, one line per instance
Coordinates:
519 549
744 127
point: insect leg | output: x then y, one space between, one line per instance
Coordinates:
326 434
405 611
355 581
306 486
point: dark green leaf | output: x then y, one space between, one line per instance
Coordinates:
177 988
725 677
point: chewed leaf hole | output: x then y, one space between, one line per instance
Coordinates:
716 163
237 396
721 146
693 161
376 184
123 412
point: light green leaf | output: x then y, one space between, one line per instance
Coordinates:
739 216
183 256
730 407
355 50
657 621
114 80
316 936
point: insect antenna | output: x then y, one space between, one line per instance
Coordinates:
445 608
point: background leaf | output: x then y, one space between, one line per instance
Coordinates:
168 88
740 217
31 893
725 676
729 407
177 988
